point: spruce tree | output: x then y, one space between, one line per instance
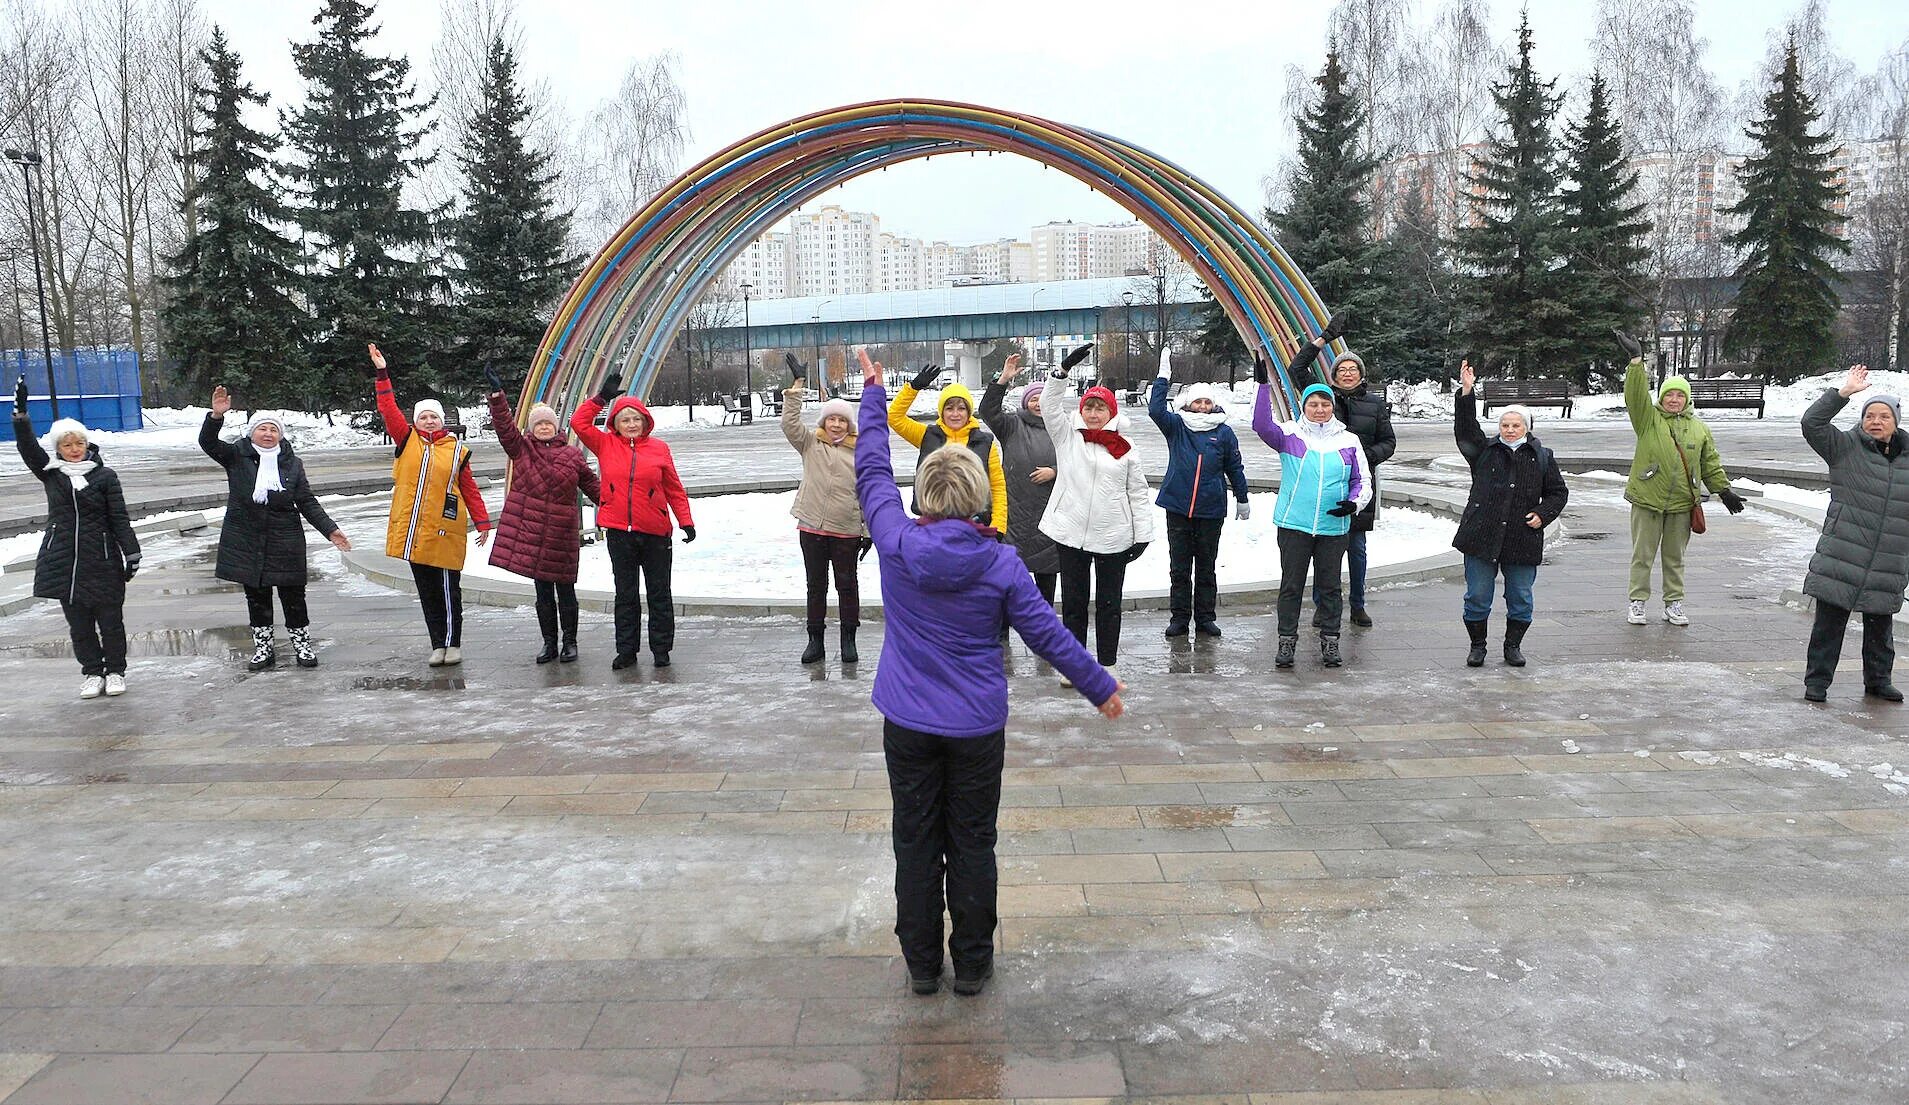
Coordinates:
509 240
1519 318
1326 227
375 270
1605 233
1785 301
232 317
1418 270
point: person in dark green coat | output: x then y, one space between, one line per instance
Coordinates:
1675 461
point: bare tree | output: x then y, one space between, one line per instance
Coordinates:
1449 96
118 88
631 146
1883 227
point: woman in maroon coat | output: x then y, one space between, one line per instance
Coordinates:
543 522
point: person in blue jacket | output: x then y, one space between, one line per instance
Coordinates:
1203 460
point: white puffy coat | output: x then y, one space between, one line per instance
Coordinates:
1099 504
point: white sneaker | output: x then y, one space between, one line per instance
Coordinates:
92 687
437 658
115 686
1674 613
1636 615
453 655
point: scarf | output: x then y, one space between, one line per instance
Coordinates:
76 470
268 473
1200 422
1108 439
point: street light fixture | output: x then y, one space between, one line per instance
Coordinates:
1126 336
27 160
748 357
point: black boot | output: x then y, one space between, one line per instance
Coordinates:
813 653
567 651
1288 650
1885 691
1177 625
1514 639
1360 618
547 622
849 655
1476 657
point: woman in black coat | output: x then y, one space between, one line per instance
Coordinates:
261 543
1369 418
1517 490
89 551
1027 465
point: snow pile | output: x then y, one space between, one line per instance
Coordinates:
745 547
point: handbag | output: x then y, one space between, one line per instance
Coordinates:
1696 497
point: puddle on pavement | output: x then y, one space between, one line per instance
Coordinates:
1586 536
1193 817
223 643
407 683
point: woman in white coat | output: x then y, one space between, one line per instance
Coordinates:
1099 515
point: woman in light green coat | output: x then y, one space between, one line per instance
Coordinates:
1675 461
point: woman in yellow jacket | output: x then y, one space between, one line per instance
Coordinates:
954 423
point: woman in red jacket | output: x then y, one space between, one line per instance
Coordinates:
542 522
640 490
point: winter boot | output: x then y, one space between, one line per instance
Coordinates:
263 654
1885 691
303 648
813 653
1329 651
1476 657
1288 650
1514 640
849 655
1177 625
1207 629
1360 618
547 622
567 652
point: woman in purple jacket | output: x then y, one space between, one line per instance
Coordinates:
948 587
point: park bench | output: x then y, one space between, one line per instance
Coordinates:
1528 393
1746 394
732 408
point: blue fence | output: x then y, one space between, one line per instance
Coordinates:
100 387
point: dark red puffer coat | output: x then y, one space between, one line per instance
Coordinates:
542 522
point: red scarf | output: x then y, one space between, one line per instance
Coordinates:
1111 441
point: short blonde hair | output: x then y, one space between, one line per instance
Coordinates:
951 483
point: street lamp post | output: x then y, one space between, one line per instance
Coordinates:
27 159
748 357
815 340
1126 335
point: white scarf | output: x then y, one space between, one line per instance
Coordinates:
76 470
268 473
1201 421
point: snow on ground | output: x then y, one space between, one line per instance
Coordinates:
1781 401
1784 493
737 553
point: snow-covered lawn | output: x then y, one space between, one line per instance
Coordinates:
1781 401
746 546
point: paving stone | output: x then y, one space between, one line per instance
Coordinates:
683 1023
830 1073
313 1028
350 1078
82 1028
982 1072
134 1080
565 1077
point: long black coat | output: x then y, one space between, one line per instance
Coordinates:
262 544
1507 484
1025 446
89 536
1369 418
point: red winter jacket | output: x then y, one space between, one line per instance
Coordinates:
640 485
541 523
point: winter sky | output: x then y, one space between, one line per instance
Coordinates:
1199 81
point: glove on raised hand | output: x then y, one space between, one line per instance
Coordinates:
796 368
491 377
612 386
1259 369
1632 347
928 375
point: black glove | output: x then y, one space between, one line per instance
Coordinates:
132 568
689 534
1336 326
1632 347
490 375
612 387
928 375
1259 369
796 368
1076 357
1134 552
1732 501
1346 509
867 544
20 396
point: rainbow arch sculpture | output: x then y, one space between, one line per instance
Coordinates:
624 310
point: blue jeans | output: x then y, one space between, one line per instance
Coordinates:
1481 577
1355 568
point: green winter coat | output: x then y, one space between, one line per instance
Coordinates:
1657 474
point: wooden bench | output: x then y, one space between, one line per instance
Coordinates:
1740 394
732 408
1527 393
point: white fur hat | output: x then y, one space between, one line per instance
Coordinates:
62 428
838 406
423 405
1200 391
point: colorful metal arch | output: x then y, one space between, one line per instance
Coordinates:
624 310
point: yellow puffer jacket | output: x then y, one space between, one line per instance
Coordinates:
971 435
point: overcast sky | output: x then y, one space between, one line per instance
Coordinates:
1198 81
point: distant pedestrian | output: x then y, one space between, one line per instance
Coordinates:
828 517
1517 490
262 540
89 552
1862 558
1203 461
947 589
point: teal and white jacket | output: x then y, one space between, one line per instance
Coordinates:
1321 464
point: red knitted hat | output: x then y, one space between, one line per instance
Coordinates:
1105 396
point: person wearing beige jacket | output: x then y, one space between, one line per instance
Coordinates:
828 517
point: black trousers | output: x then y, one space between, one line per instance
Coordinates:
99 637
557 606
1044 583
1108 574
947 795
820 553
1299 550
648 555
1826 646
1193 548
441 594
258 606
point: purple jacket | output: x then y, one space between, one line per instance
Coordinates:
947 587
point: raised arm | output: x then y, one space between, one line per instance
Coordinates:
583 421
1817 430
1637 398
209 440
874 473
1264 424
1055 417
504 421
1471 439
29 445
792 427
396 426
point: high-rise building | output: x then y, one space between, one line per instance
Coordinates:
764 265
832 252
